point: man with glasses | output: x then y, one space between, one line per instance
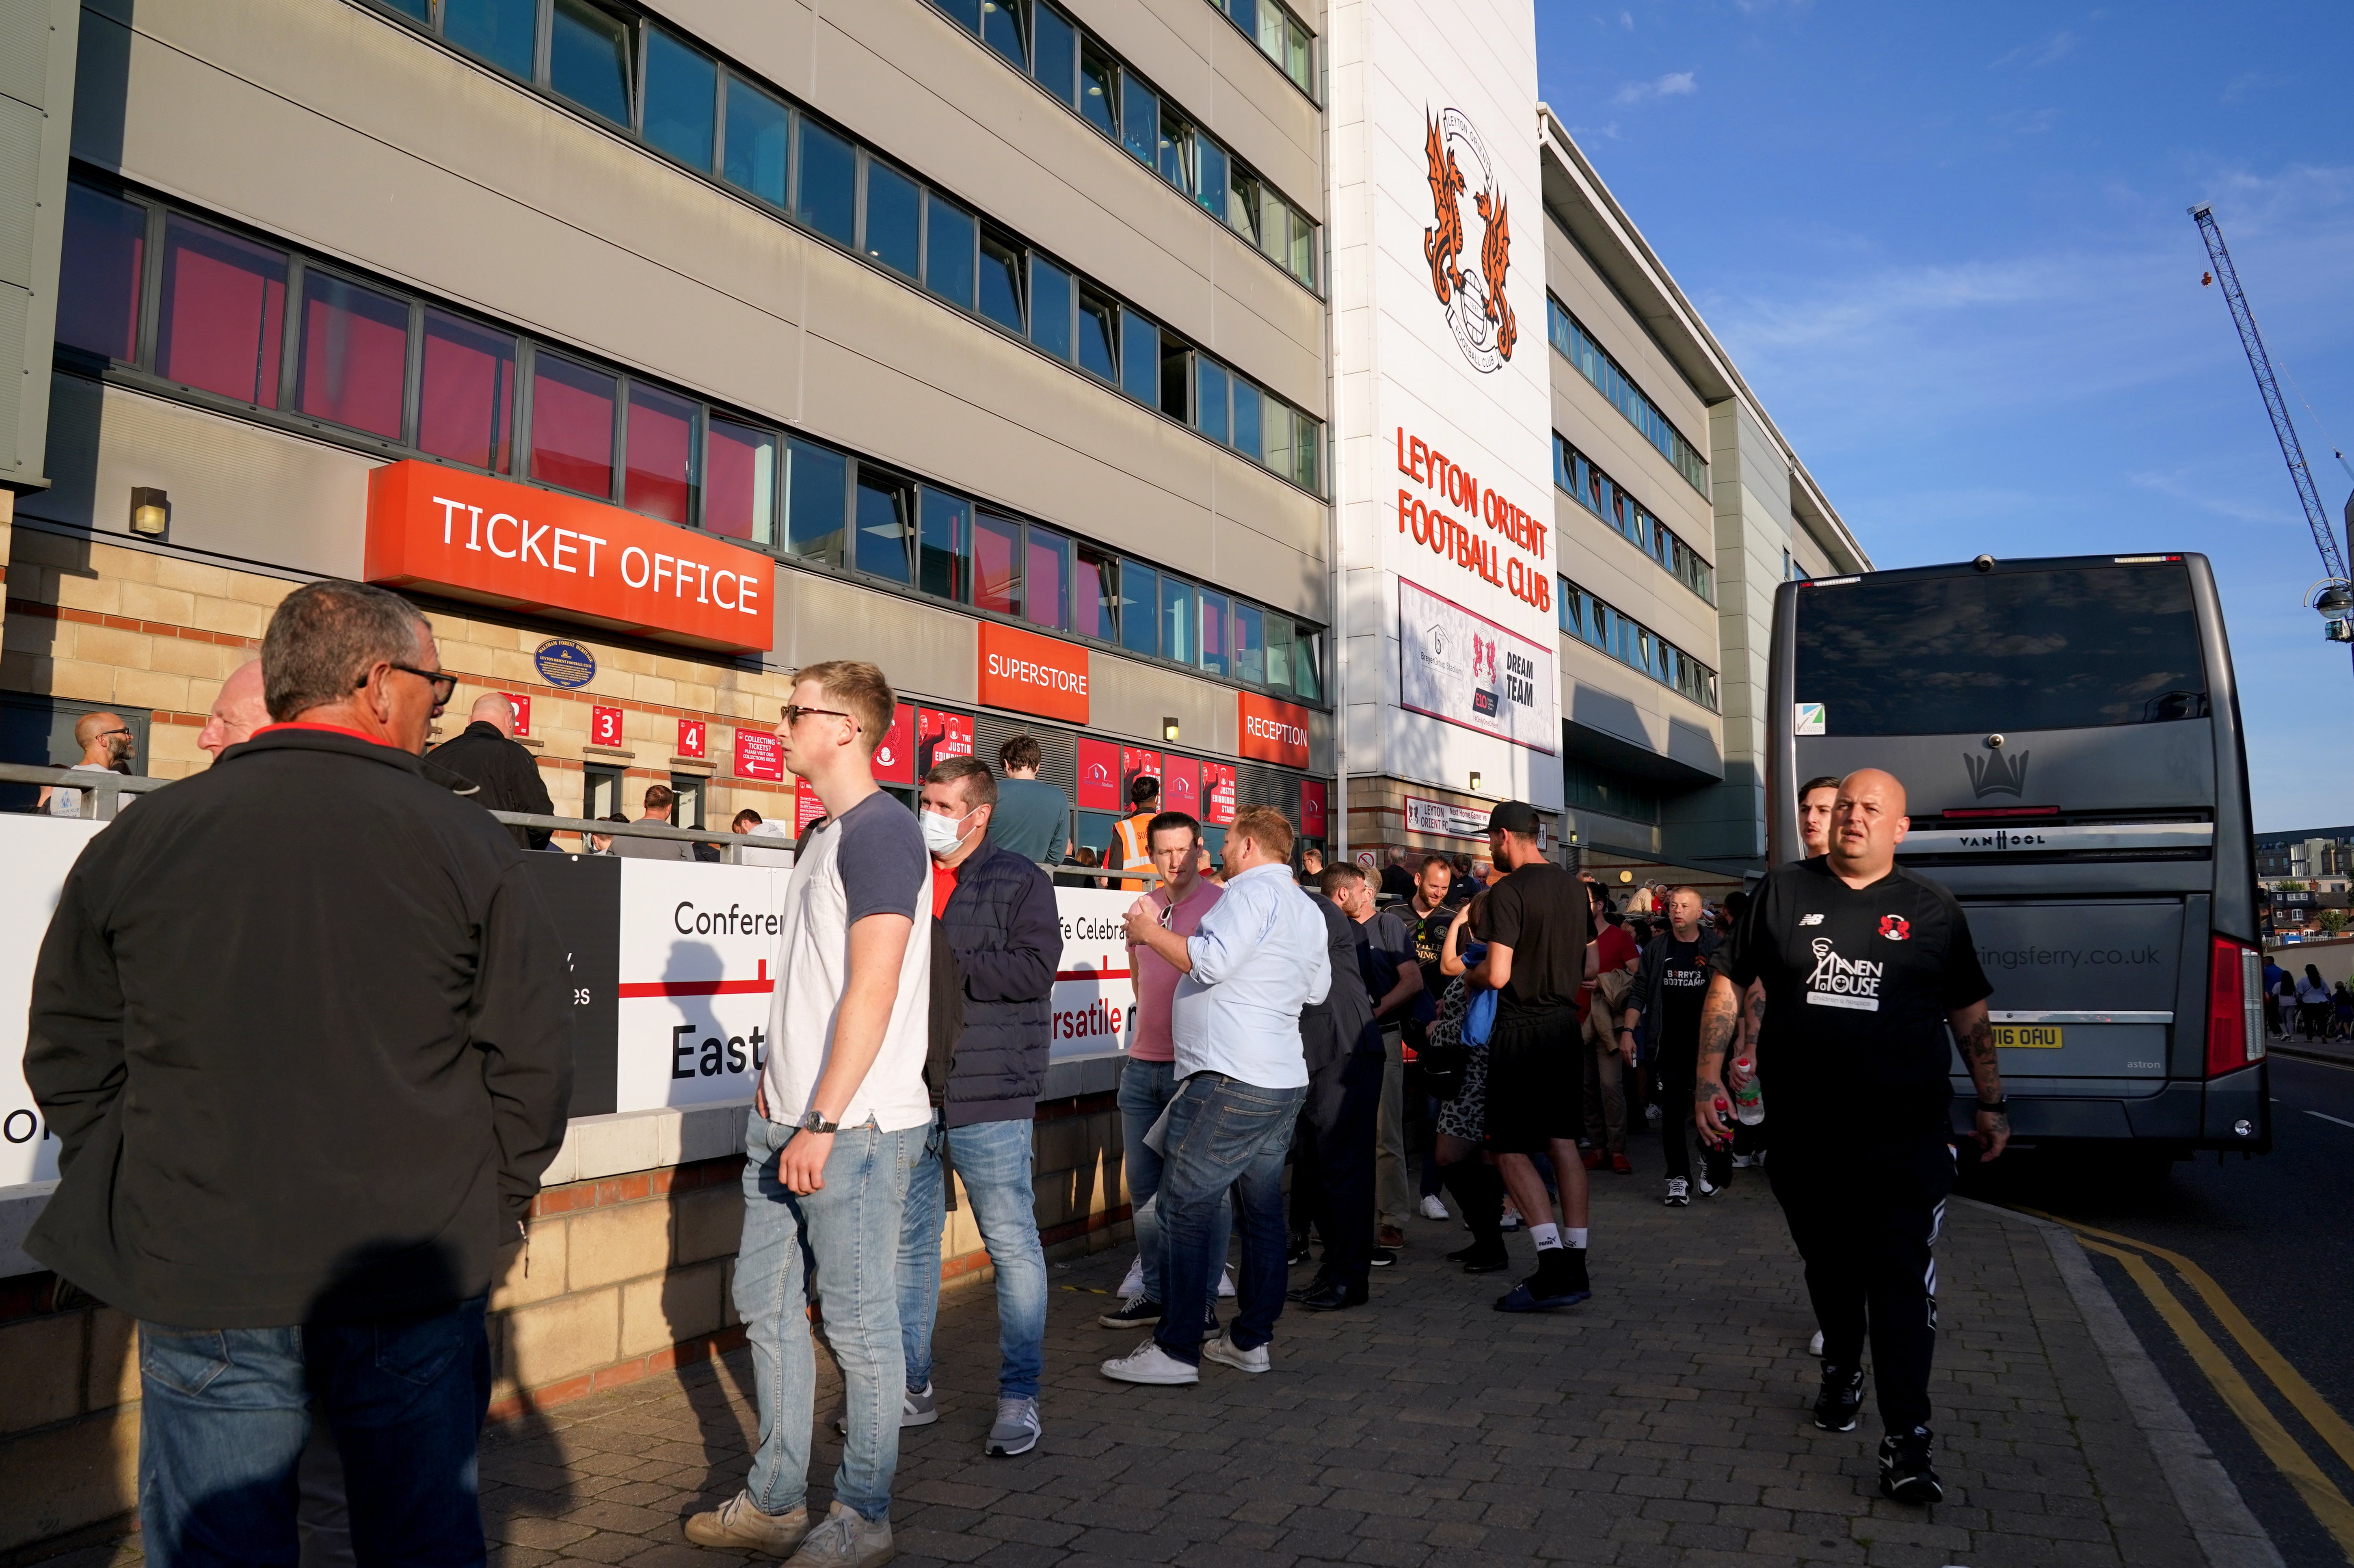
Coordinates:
837 1125
107 746
302 1175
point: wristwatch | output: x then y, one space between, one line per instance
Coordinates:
1995 1107
812 1121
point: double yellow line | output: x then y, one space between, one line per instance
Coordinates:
2321 1495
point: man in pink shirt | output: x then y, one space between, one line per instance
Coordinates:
1149 1081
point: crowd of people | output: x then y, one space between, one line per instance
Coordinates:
313 1332
2317 1009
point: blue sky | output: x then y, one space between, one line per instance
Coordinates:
1947 247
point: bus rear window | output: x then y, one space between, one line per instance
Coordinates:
1982 652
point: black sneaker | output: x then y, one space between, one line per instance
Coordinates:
1477 1259
1384 1257
1297 1256
1841 1398
1905 1473
1140 1313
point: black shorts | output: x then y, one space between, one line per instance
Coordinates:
1536 1080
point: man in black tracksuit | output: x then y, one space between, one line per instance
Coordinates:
504 774
1669 991
1332 1149
1865 967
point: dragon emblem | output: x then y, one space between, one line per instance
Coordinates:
1482 319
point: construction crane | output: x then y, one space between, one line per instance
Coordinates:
2333 597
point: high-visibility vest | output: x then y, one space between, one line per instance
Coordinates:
1134 844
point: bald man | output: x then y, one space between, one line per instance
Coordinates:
107 746
237 712
504 773
1866 968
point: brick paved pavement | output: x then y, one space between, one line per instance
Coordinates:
1664 1423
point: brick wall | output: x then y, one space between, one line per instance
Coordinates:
627 1273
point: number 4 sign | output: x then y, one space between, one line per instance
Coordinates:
689 738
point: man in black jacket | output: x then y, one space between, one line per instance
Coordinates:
302 1024
504 774
998 911
1667 1000
1332 1149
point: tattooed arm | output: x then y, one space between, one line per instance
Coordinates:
1975 1035
1719 1014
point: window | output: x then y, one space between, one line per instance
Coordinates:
1047 579
1140 596
1278 420
996 564
1593 788
1213 631
1095 596
503 32
1001 283
1178 634
682 84
1050 311
465 409
572 426
1055 52
1278 652
588 58
944 567
1210 398
1099 335
1630 643
1140 120
1210 178
659 480
949 234
967 12
1248 439
1307 439
1175 373
223 313
1607 500
103 273
1303 250
1140 341
1249 644
1000 29
740 487
1175 159
815 484
1099 90
893 217
600 791
758 134
825 192
1308 665
1593 361
355 365
884 505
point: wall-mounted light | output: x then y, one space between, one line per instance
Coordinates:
1626 876
1475 781
1169 731
151 512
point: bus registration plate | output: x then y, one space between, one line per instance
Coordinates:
2026 1036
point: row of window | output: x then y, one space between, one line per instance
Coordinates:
1076 67
1607 499
646 78
162 293
1609 378
1591 788
1279 36
1629 641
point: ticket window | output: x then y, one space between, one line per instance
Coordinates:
688 812
601 793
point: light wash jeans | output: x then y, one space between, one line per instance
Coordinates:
847 1235
1145 1089
226 1413
993 1159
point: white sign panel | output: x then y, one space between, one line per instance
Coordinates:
38 852
1465 669
1093 992
1445 818
698 946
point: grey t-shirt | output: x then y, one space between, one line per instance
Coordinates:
1033 820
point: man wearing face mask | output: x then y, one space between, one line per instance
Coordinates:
998 911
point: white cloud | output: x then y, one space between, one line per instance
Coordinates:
2036 57
1675 84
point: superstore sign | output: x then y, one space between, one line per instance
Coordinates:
1426 517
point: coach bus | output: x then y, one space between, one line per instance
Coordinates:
2068 734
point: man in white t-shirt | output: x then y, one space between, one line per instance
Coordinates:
107 746
838 1122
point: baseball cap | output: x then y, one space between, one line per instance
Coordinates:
1513 817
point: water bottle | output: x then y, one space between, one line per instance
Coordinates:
1749 1099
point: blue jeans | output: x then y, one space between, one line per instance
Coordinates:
1145 1088
840 1245
225 1415
1225 1136
993 1159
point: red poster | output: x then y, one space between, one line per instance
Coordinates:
1180 786
758 755
1311 808
1135 763
940 735
523 713
1217 793
807 807
894 759
604 726
1100 777
689 738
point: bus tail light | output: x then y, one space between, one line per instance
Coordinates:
2236 1007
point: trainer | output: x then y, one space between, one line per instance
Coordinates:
1865 967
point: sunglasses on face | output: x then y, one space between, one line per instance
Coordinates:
795 713
444 686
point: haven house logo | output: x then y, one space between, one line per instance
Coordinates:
1476 307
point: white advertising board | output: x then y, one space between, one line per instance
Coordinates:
38 852
1463 669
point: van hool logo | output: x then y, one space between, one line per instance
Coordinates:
1993 774
1476 306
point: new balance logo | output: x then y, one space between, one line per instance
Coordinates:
1811 919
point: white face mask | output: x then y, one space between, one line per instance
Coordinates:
942 834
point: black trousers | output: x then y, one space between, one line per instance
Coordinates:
1332 1163
1865 1220
1678 1066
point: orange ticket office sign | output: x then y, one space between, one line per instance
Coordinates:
1271 731
471 536
1032 674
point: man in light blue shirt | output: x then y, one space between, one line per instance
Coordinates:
1257 956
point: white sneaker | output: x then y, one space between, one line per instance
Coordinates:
1432 1209
1679 1194
1131 1285
1227 1353
1815 1345
1226 1285
1511 1220
1708 1189
843 1539
1151 1364
1017 1428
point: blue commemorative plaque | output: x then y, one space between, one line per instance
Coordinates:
566 664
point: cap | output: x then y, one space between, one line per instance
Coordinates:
1513 817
